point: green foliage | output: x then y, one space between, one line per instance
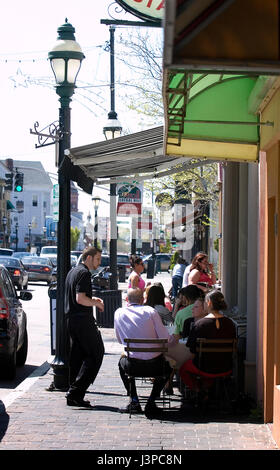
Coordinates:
174 259
75 235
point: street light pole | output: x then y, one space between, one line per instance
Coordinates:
96 202
65 58
111 130
29 235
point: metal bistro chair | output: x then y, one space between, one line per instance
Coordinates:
222 381
161 347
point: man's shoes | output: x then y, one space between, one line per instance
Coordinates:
152 411
133 407
78 402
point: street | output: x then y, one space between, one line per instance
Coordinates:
38 326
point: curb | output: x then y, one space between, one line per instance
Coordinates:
26 384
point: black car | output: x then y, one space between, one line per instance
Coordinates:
13 326
17 271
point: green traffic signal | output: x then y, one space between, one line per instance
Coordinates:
18 182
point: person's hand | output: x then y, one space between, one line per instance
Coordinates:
98 303
210 267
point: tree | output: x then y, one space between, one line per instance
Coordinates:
75 235
141 52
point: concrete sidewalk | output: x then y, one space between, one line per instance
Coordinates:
35 419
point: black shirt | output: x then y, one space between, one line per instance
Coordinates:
206 328
77 280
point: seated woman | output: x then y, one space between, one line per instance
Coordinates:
135 280
201 272
156 299
198 312
214 325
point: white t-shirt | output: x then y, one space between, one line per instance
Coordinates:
186 276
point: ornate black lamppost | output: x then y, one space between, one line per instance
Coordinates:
65 58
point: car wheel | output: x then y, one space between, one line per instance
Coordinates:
22 352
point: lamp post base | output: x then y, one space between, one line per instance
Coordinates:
60 377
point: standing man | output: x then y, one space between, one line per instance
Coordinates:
87 349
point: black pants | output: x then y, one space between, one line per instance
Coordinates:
149 368
86 354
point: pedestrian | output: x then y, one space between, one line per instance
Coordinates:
87 349
177 276
135 280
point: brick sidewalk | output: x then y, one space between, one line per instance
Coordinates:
40 420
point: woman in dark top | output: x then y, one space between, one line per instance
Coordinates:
214 325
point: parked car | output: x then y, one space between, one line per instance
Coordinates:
16 270
124 263
6 252
38 268
162 261
13 326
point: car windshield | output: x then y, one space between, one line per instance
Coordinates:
9 261
123 259
50 250
35 261
20 254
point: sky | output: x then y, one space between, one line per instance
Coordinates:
28 31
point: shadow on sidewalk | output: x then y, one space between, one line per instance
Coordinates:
4 420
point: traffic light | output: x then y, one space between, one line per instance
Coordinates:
9 181
18 182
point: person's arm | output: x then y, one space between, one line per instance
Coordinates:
194 276
211 273
177 305
86 301
134 280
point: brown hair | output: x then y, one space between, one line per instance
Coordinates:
135 259
217 300
90 251
198 257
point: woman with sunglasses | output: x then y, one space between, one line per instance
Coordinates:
201 272
135 279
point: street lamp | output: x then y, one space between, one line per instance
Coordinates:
4 222
65 58
29 235
44 235
16 230
96 202
112 130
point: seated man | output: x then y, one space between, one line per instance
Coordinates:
190 294
142 322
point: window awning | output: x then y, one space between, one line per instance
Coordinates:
214 56
130 157
207 116
10 206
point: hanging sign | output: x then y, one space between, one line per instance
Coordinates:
149 10
129 199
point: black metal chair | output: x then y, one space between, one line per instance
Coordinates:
147 346
218 389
